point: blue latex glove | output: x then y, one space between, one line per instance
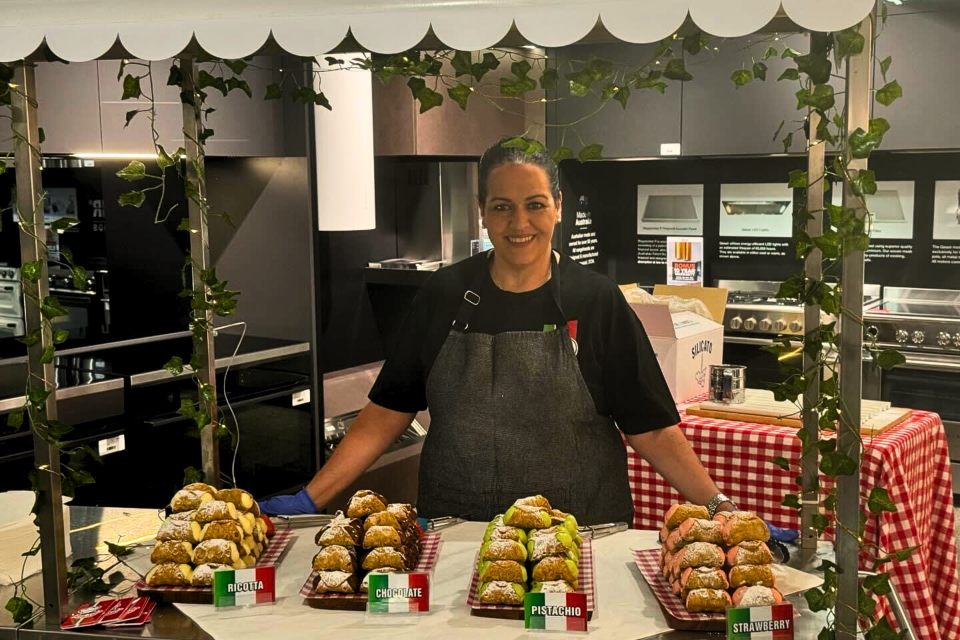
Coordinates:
296 505
783 535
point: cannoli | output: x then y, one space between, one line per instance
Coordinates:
200 486
501 593
363 503
506 533
665 561
559 544
412 555
365 583
172 551
184 516
674 542
756 596
384 557
676 587
699 530
680 512
222 530
216 552
503 550
216 510
246 546
535 501
247 521
553 568
382 519
404 513
203 574
700 554
503 571
241 499
749 552
410 535
703 578
708 601
336 558
527 517
554 586
335 582
742 526
189 500
560 519
181 530
169 574
337 535
752 574
381 537
549 531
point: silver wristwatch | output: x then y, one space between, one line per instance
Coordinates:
715 503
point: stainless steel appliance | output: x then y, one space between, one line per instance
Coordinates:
668 208
11 303
728 383
924 325
755 207
88 304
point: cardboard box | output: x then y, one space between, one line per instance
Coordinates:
686 344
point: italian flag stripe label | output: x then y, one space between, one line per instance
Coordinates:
555 611
398 593
761 623
243 587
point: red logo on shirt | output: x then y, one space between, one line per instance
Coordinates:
572 328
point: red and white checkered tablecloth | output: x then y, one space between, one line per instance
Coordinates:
911 460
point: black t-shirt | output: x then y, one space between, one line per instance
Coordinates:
616 359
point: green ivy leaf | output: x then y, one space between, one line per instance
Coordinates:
60 336
878 127
675 70
62 224
827 634
862 143
782 462
696 43
771 52
204 134
885 66
488 63
31 338
461 63
3 167
590 152
15 419
51 308
789 53
427 97
741 77
882 629
622 95
821 98
791 500
837 463
866 605
132 199
174 365
131 87
848 42
890 92
789 74
197 362
815 599
867 182
206 79
819 522
787 142
798 179
274 92
460 94
511 88
520 68
887 359
56 430
32 271
238 66
191 475
19 609
878 584
830 502
548 79
818 68
130 116
760 71
208 393
239 83
184 224
650 81
562 153
823 133
48 353
163 158
134 171
904 554
175 78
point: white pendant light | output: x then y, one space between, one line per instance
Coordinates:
344 150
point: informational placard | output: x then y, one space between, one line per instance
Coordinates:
761 623
669 209
891 211
555 611
244 587
685 261
584 246
398 593
756 211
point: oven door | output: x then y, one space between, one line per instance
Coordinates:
763 369
927 382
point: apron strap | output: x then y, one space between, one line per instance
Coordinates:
471 297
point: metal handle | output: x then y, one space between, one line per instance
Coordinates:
896 605
602 530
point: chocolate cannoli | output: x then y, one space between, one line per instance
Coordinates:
382 519
404 513
335 582
363 503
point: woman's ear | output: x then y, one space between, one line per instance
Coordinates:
559 205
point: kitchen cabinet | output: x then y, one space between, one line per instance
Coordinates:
650 119
720 119
243 126
447 130
68 108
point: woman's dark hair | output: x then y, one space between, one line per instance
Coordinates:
499 155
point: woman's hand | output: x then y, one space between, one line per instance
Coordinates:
291 505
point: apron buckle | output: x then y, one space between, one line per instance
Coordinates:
471 297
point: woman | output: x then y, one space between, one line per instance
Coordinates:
528 363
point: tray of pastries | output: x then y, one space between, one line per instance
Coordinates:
208 529
373 536
704 566
532 547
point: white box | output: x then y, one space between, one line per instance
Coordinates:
686 344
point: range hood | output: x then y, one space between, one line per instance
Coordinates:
755 207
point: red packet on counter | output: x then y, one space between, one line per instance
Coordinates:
116 610
87 615
134 611
142 620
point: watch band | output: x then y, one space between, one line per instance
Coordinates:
715 503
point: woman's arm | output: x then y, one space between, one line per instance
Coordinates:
668 451
375 429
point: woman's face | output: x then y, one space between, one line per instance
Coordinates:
520 213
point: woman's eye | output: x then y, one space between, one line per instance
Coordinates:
536 205
501 207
